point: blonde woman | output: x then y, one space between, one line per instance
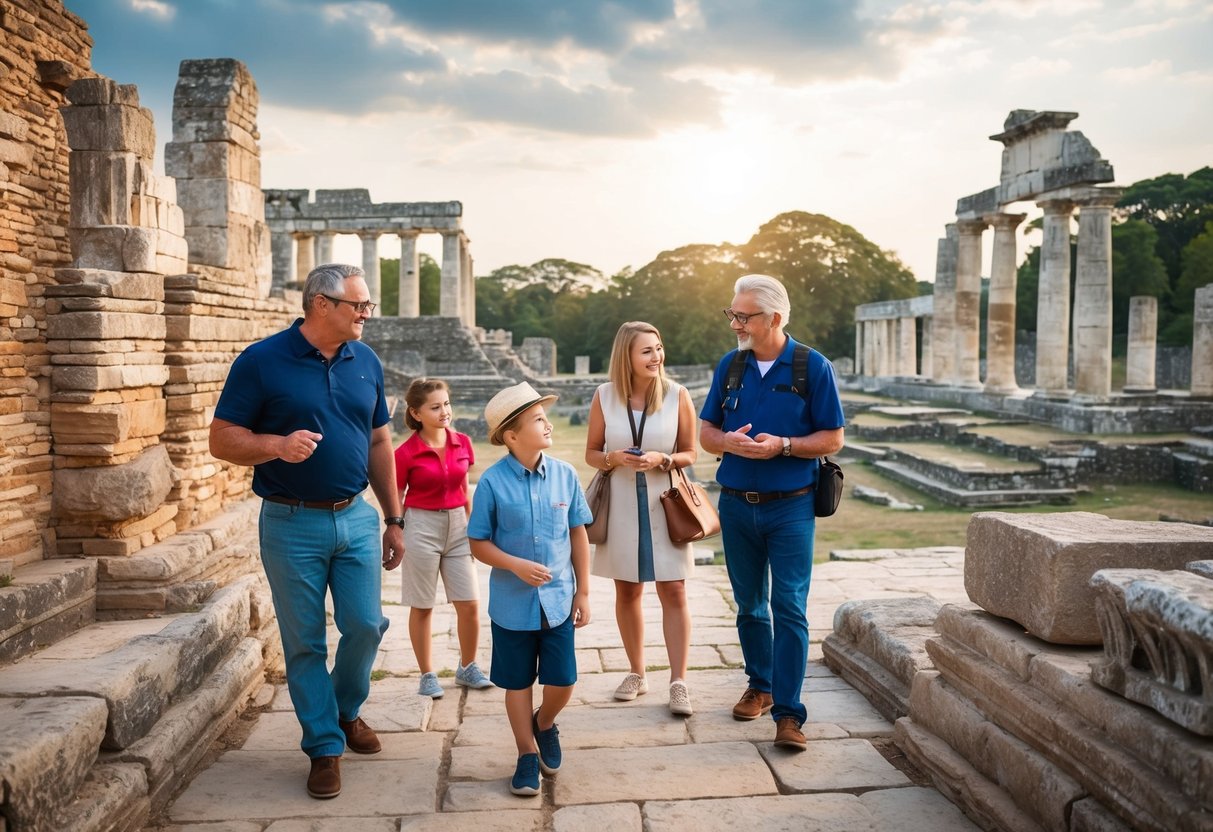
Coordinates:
641 426
432 478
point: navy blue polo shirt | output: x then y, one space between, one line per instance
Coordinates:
283 384
771 405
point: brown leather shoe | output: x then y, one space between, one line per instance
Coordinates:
753 704
359 737
788 734
324 781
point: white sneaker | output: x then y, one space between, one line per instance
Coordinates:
632 686
680 699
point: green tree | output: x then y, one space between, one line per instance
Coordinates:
429 288
1197 271
389 286
1136 269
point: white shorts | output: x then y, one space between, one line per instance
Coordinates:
437 542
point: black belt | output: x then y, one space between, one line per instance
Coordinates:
765 496
327 505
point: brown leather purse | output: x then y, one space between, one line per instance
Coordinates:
689 514
598 498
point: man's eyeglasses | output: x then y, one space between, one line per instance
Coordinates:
360 306
742 318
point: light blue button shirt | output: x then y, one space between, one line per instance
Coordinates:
529 514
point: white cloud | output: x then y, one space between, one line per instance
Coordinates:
1040 67
1154 70
155 8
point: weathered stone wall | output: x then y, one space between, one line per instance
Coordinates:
42 49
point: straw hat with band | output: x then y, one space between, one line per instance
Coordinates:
507 404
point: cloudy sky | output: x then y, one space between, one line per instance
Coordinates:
604 131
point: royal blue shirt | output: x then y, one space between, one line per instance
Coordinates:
283 384
771 405
528 514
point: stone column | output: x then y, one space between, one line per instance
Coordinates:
1053 301
324 248
880 348
927 359
1202 342
968 302
1093 298
943 320
1143 341
282 252
449 303
859 368
890 347
305 256
1000 320
907 347
869 348
410 276
370 265
469 286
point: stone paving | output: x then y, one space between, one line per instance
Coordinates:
445 763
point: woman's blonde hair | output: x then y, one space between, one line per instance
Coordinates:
416 396
620 368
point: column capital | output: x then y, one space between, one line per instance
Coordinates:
369 235
1057 207
974 225
411 233
1105 198
1006 222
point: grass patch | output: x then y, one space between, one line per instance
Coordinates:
6 581
445 673
379 675
860 525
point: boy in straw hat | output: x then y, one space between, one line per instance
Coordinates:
528 523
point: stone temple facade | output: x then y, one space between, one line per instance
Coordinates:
938 339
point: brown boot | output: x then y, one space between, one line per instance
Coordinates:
788 734
752 704
324 781
359 736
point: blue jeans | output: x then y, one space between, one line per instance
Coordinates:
768 549
307 552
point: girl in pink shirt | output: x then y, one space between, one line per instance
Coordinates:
432 477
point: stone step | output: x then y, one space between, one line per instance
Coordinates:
954 496
860 452
153 693
45 602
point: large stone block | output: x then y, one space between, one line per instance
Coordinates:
115 492
107 283
102 187
1036 568
107 424
47 747
111 127
238 244
213 201
105 325
94 379
102 90
212 160
115 247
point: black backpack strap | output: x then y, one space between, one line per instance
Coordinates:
732 379
800 370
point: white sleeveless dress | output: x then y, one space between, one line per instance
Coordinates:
619 556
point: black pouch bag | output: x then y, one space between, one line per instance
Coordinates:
829 488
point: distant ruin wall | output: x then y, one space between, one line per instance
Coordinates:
43 48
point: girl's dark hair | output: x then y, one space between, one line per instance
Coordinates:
416 395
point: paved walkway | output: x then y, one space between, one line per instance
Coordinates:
628 765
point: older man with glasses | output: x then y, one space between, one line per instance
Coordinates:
306 408
768 434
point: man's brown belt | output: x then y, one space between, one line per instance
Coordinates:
328 505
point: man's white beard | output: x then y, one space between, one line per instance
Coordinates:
745 342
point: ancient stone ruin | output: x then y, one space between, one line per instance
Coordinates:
1077 694
934 342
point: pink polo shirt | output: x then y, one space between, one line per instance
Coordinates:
434 479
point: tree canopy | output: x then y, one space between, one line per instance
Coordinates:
827 267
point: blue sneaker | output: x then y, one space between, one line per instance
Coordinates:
429 686
548 743
526 776
472 677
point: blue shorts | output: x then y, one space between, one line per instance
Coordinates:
518 654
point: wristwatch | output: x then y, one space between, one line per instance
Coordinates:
394 521
787 446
